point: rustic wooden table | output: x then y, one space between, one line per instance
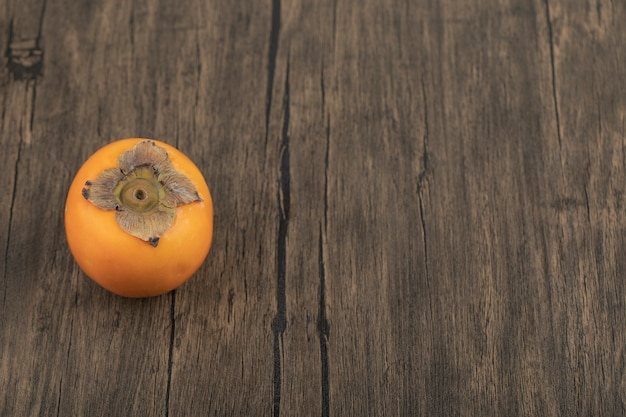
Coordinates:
418 207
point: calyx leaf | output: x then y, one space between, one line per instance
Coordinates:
144 189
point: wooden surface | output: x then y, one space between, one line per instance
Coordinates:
418 207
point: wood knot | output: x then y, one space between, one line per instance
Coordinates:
25 60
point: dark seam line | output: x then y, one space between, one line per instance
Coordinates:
271 62
323 329
553 72
10 222
171 352
279 323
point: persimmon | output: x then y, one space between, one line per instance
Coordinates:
139 217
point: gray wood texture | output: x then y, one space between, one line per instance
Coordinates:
418 207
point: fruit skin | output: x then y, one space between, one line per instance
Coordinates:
122 263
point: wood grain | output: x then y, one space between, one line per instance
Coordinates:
417 207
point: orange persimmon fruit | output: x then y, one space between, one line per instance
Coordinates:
139 217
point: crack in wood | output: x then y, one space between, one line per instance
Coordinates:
422 176
334 22
326 163
25 63
58 411
131 27
170 353
279 324
422 181
67 357
271 62
323 88
10 221
323 328
553 72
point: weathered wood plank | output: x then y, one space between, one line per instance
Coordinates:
381 326
494 154
71 348
222 353
588 75
471 312
304 50
32 331
417 207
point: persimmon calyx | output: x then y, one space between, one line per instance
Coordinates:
144 190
